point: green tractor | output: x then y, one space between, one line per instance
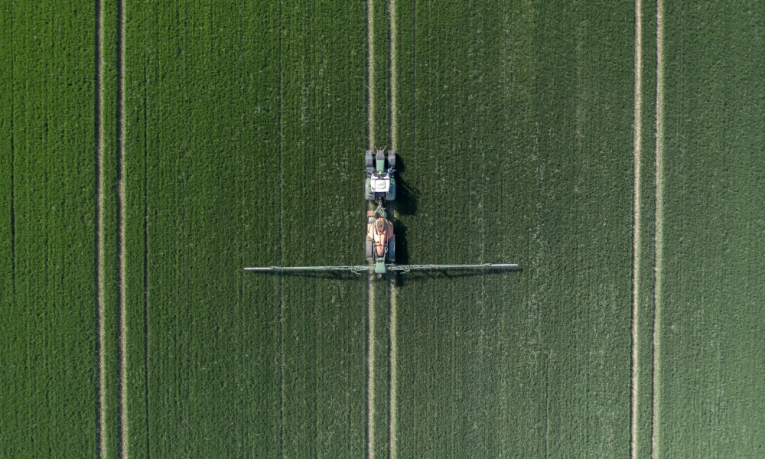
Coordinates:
380 241
380 185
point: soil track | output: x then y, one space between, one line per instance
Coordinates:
636 235
659 236
370 277
122 222
393 414
100 229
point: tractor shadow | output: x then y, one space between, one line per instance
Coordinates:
406 194
331 275
401 278
405 204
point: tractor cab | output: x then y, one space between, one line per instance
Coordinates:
380 184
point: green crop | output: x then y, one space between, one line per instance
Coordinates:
711 392
47 231
516 152
238 130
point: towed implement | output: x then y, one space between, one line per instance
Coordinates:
380 240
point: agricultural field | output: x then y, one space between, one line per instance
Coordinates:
533 165
151 150
48 220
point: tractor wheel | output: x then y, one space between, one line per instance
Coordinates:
392 248
391 159
370 254
391 194
369 159
368 194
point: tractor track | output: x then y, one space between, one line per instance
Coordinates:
100 255
636 231
370 277
393 390
122 220
371 366
393 424
370 74
659 231
393 70
102 118
371 290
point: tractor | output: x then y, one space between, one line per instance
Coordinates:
380 241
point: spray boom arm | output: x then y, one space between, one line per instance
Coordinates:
389 267
353 269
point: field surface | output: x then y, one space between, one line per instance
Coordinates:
151 150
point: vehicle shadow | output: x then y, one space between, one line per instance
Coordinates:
332 275
401 277
406 194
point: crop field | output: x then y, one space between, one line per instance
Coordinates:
151 150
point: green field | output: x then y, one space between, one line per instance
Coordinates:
536 159
48 337
151 150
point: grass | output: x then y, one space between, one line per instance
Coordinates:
201 190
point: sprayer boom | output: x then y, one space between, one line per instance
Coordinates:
388 267
354 269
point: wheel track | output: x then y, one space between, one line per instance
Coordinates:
102 90
636 219
100 274
121 216
370 276
393 392
659 232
